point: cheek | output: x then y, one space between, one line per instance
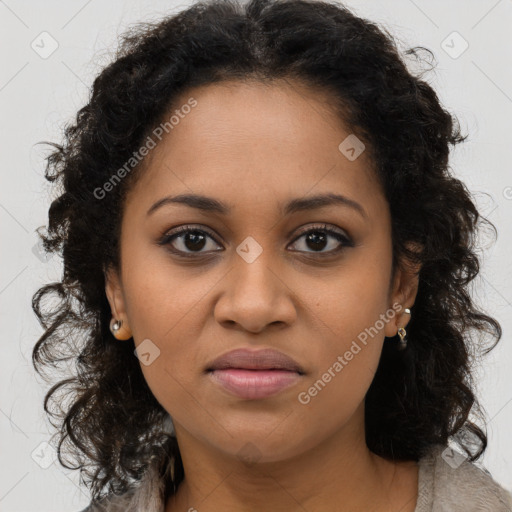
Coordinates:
164 318
350 304
160 297
168 326
351 313
331 395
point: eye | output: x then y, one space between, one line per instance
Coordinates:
188 238
317 238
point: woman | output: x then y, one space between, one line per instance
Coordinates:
266 273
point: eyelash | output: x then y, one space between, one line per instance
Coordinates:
169 237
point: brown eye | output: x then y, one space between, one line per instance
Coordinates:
186 240
189 240
321 237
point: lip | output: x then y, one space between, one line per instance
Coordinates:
255 374
254 384
262 359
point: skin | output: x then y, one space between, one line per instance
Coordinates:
255 147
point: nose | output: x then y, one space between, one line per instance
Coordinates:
255 295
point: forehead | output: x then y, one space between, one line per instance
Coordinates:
251 143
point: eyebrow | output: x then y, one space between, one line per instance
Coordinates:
211 205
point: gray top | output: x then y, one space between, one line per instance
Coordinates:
447 482
450 483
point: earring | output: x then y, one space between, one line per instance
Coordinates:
403 342
115 327
402 332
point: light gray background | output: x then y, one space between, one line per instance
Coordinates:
39 95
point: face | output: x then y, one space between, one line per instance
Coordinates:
309 282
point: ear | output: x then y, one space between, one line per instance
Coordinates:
115 296
403 293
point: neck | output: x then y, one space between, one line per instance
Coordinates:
340 474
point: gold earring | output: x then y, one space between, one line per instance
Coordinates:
403 342
121 333
402 332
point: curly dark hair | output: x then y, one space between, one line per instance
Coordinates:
112 423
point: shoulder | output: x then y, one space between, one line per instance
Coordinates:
449 481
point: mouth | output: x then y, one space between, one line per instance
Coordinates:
255 375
